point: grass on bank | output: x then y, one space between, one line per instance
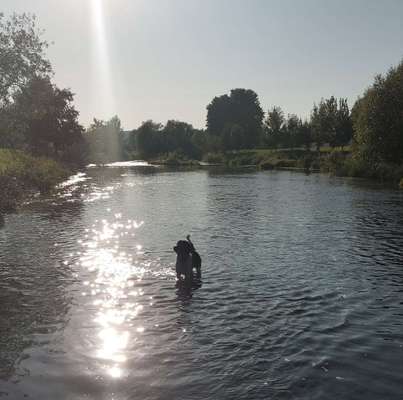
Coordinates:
21 174
266 159
336 161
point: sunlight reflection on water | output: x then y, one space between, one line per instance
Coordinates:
112 287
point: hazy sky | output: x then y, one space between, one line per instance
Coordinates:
166 59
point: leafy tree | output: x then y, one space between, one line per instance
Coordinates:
378 119
234 137
177 136
317 134
200 140
21 54
105 140
240 108
305 135
292 131
248 114
148 138
218 114
46 117
344 125
273 126
331 122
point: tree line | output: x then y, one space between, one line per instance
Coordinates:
39 117
236 121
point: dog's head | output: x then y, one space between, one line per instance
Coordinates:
182 247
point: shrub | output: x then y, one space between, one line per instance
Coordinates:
214 158
21 173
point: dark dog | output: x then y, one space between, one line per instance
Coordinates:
183 260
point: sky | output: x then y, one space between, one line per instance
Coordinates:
167 59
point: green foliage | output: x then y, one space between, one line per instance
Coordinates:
35 115
273 127
234 137
290 132
45 117
214 158
105 140
148 139
21 173
331 123
378 119
241 109
21 54
152 139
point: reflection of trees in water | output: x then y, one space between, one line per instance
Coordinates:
33 281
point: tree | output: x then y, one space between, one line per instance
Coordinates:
378 119
234 137
324 122
105 140
241 108
247 113
177 136
306 135
46 117
273 126
218 114
292 131
21 54
148 138
344 125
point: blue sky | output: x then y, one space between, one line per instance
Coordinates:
166 59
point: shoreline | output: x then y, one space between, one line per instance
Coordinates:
337 162
23 176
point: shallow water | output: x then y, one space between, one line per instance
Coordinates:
302 294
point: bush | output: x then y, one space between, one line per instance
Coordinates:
214 158
335 163
356 167
21 173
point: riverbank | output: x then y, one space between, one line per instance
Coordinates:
336 161
22 175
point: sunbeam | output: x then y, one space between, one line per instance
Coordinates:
102 77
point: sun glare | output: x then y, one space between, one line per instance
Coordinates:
102 79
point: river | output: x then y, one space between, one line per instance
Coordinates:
302 294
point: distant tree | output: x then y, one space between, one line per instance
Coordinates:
148 138
200 140
344 125
306 135
331 122
248 114
177 136
46 117
323 122
241 108
317 135
218 114
234 137
378 119
105 140
273 126
292 131
21 54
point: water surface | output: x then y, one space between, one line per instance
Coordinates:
302 294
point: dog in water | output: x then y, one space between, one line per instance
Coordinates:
187 259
